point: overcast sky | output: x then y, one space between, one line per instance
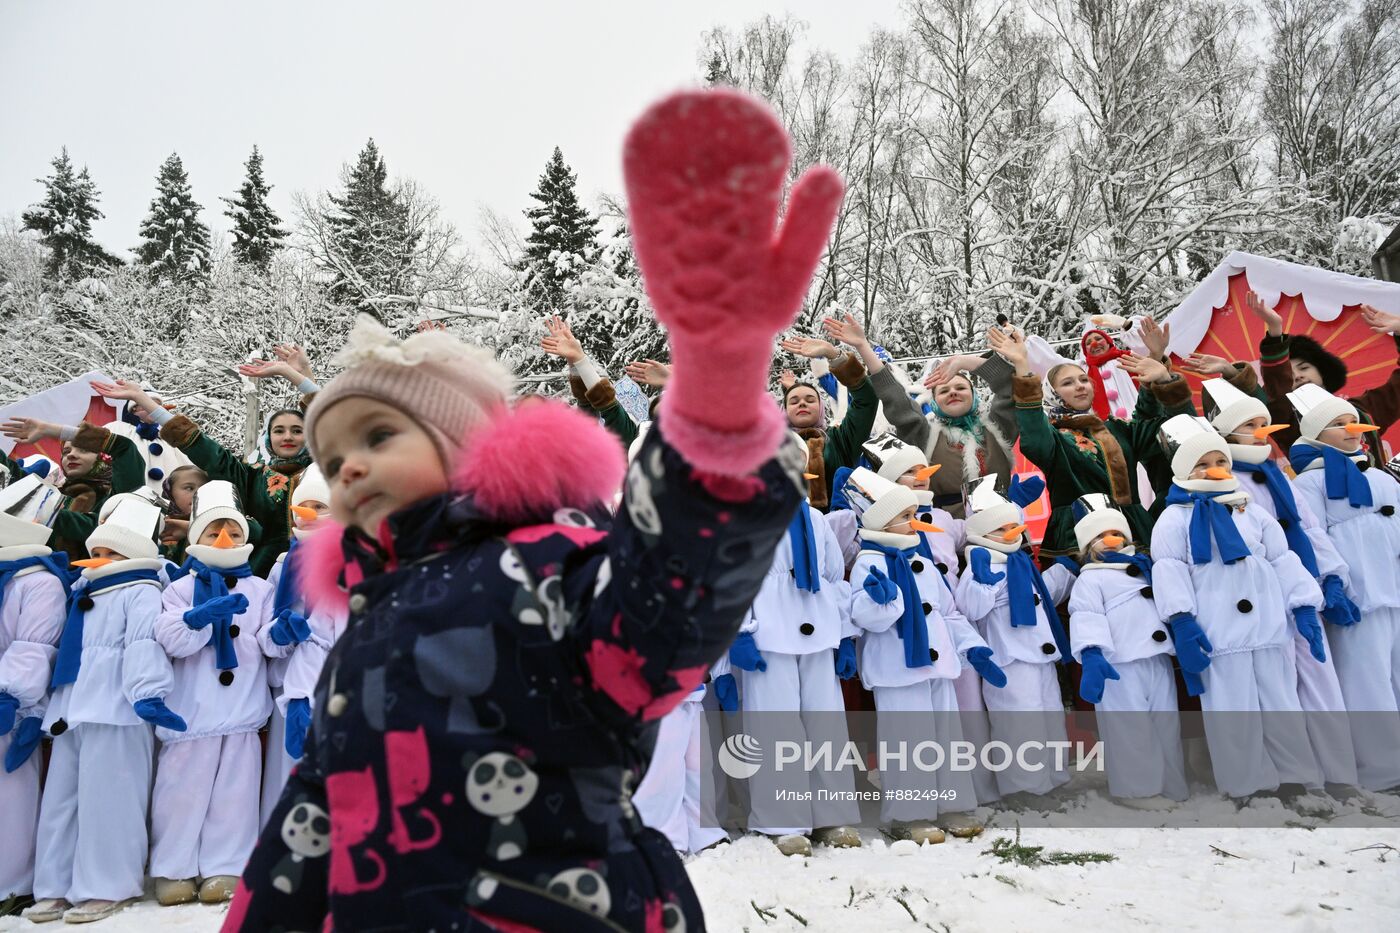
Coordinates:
467 97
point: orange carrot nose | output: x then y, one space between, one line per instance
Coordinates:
928 471
305 513
1360 428
1266 430
223 540
1113 541
1218 473
1013 534
93 562
809 476
918 525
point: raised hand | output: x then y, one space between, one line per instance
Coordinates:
950 367
1204 364
561 342
787 379
1147 370
1271 318
295 357
810 347
269 369
126 390
1379 321
1156 337
844 328
648 372
1011 344
29 430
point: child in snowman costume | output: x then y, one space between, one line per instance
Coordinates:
216 624
1227 584
1126 657
109 685
33 589
1005 596
912 649
311 633
784 653
1243 421
1358 507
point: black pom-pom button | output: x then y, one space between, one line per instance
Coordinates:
230 581
1257 477
1387 510
942 567
933 655
233 631
85 603
1146 592
1047 648
1364 465
1285 524
1134 571
58 728
1036 598
806 628
1244 605
1159 636
226 677
916 565
928 607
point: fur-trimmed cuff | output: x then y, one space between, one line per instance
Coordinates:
848 370
1173 393
92 437
180 431
731 453
1026 391
578 390
601 396
1244 378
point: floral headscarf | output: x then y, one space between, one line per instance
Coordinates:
287 466
1056 409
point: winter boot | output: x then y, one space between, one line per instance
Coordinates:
88 911
217 889
172 891
920 831
838 837
47 910
793 844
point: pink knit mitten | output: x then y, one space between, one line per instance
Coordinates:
705 173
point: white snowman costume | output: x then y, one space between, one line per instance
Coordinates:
1113 611
1245 608
906 695
1029 708
92 839
796 631
31 621
203 811
1319 691
161 458
1367 654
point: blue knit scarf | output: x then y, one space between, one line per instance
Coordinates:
209 584
913 624
70 644
1141 561
805 566
1286 506
1023 582
1210 518
56 564
288 594
1344 477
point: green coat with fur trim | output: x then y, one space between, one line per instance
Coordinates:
840 446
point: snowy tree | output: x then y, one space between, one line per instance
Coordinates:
563 238
257 232
63 219
174 242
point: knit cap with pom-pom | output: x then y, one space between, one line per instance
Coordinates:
447 387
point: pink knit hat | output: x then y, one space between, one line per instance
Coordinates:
447 387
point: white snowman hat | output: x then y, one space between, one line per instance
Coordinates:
1317 408
1226 407
216 499
312 487
1187 438
132 529
890 457
1093 515
143 494
876 500
988 510
27 509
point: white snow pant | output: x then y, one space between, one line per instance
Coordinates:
905 717
1141 730
1324 712
92 826
204 810
1367 657
1028 710
977 729
19 804
277 764
776 706
668 799
1251 752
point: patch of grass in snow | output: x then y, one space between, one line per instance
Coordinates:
905 904
1011 850
798 917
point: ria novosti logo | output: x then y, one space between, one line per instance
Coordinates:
740 756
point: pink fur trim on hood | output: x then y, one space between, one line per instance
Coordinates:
524 462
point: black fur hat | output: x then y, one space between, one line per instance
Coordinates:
1332 369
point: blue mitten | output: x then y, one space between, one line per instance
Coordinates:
25 740
1305 617
1025 491
1192 647
1339 610
726 692
298 722
155 712
879 587
744 655
846 659
220 607
1096 671
289 629
981 563
9 705
981 660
